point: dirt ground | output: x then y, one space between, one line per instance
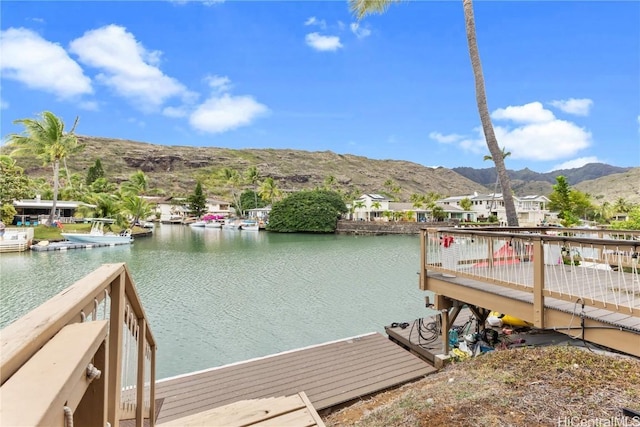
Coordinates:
544 386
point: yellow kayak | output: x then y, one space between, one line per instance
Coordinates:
510 320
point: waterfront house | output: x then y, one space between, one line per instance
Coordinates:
35 211
219 207
532 210
370 207
176 209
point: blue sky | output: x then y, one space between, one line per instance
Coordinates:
562 78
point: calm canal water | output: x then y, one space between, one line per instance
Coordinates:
215 296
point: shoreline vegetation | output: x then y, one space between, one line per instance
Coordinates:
541 386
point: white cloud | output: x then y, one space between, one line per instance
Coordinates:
445 139
536 134
89 105
3 104
223 113
127 67
578 107
41 64
576 163
323 43
175 112
315 21
533 112
360 32
218 83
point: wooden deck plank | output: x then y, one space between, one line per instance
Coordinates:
299 418
312 367
329 374
230 373
345 370
294 410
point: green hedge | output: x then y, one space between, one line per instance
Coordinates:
315 211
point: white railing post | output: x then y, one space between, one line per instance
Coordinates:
538 283
140 404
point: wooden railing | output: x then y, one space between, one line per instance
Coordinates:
86 356
598 268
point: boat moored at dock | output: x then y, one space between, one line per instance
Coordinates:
98 235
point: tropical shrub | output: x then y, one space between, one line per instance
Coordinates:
315 211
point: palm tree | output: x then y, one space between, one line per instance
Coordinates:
233 180
375 206
253 177
505 154
622 205
359 204
46 139
329 182
363 7
137 184
418 200
106 206
269 190
136 207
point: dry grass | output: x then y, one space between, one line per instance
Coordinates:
543 386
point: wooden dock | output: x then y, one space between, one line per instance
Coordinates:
65 245
421 338
330 374
285 411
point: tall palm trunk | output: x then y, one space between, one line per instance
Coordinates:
56 173
485 118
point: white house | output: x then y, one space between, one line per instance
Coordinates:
175 209
369 207
531 210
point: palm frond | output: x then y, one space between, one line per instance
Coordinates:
362 8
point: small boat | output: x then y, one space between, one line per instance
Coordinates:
214 224
198 224
249 225
98 235
231 224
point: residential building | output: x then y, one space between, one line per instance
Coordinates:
370 207
34 211
175 209
531 210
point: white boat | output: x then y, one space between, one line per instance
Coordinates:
16 239
249 225
214 224
98 235
231 224
198 224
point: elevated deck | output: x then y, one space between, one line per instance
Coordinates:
575 283
330 374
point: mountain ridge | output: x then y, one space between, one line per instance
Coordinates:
176 169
